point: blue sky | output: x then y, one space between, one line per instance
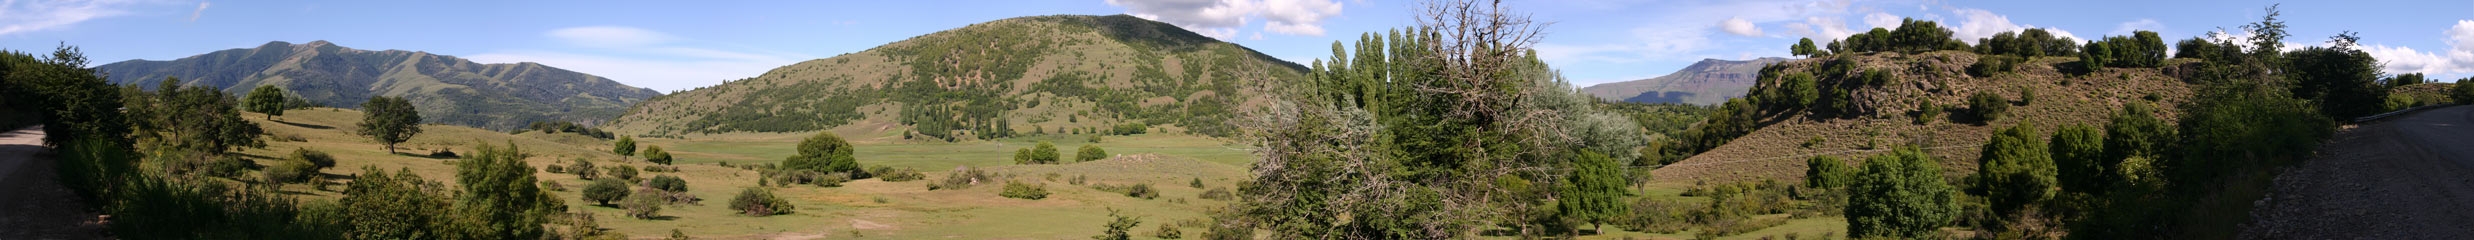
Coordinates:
674 45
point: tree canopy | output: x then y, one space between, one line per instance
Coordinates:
389 120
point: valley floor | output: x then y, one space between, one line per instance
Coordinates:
2410 177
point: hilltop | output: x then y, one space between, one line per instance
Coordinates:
1781 142
446 89
1708 82
1011 77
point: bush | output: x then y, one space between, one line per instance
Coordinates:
1927 112
1120 228
890 174
605 190
1143 191
655 155
1900 195
316 158
1827 172
2078 157
1989 65
832 179
1167 232
824 152
2015 169
1196 184
1799 90
555 168
1220 193
668 183
584 169
645 204
290 172
2462 91
553 186
227 167
1024 191
1090 152
1987 106
960 178
759 202
624 172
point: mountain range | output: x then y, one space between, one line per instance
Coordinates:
446 89
1708 82
1016 76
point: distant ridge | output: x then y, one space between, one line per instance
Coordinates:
1708 82
446 89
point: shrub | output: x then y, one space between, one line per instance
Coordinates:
1989 65
1024 191
759 202
1197 183
1927 112
890 174
1090 152
1220 193
2027 96
555 168
1900 195
1799 90
824 152
2136 132
316 158
1118 229
644 204
1827 172
1023 156
1044 153
655 155
290 172
584 169
2078 157
1987 106
226 167
2462 91
1167 232
624 172
832 179
605 190
553 186
668 183
960 178
1143 191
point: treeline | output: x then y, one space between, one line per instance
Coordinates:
567 127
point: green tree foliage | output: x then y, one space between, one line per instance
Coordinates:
667 183
2197 47
605 190
1023 156
1044 153
1119 229
2078 152
400 206
1987 106
1595 190
194 118
2141 49
1827 171
759 202
2136 132
2016 169
583 168
548 127
2405 79
1915 36
644 204
1090 152
2462 91
1900 195
623 172
500 199
655 155
266 99
2098 55
1024 191
2343 80
2032 42
1804 47
626 146
389 120
1800 90
825 153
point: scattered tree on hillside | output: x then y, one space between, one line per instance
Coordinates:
824 153
1900 195
1119 229
196 118
759 202
1090 152
500 199
1596 190
389 120
626 146
605 190
655 155
2015 169
1804 47
2079 159
399 206
1987 106
266 99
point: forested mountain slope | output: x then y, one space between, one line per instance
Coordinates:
446 89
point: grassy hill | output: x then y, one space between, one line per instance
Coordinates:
1777 149
1708 82
1010 77
446 89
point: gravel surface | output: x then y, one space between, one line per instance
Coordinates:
2410 177
33 205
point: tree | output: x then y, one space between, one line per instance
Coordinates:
583 168
626 146
1900 195
759 202
399 206
390 120
1044 153
1827 171
667 183
500 198
1023 156
2079 159
645 204
1595 191
1800 90
2015 169
267 99
2405 79
824 152
2462 91
1804 47
2098 55
1090 152
655 155
2343 80
1987 105
1120 228
605 190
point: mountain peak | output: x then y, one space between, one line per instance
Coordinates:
452 90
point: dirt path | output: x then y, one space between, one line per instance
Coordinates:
33 205
2411 177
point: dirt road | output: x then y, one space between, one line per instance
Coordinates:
2410 177
33 205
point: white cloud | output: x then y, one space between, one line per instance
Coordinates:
29 16
644 58
610 36
201 12
1820 28
1882 20
2126 28
1978 23
1738 26
2458 59
1222 19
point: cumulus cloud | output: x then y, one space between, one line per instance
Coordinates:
1820 28
1978 23
1882 20
193 15
1738 26
2457 59
2126 28
644 58
28 16
1223 18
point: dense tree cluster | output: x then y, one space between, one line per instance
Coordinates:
568 127
2143 49
2032 42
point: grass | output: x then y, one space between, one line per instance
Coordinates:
872 208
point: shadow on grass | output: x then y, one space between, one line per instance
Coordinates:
424 156
305 125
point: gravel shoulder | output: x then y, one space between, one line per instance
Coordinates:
2410 177
33 204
